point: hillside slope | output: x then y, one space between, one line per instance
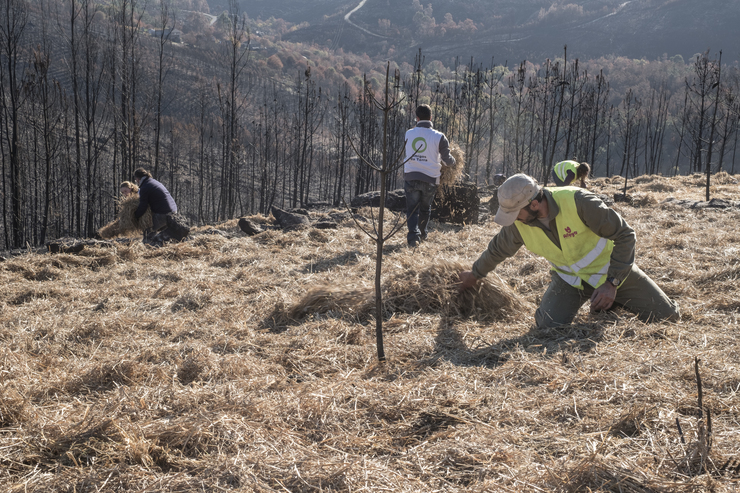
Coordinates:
516 30
248 364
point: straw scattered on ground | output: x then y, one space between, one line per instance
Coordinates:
128 368
408 291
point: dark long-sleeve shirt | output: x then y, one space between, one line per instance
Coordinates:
599 218
153 194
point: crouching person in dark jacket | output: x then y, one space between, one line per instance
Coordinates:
166 224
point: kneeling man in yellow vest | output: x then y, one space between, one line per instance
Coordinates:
590 247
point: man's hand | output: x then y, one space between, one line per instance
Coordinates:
467 280
603 297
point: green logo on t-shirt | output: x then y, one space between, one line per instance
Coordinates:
419 145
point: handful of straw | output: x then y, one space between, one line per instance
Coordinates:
126 222
451 174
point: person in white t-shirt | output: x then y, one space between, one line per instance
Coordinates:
427 150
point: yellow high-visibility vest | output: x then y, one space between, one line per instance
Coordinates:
561 169
582 256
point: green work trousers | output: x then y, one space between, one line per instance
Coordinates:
637 293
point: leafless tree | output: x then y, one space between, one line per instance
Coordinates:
681 128
232 103
128 58
12 30
713 123
629 122
731 109
45 97
308 119
365 117
552 114
656 120
575 83
391 161
165 26
472 107
549 93
85 65
701 87
519 90
493 82
342 115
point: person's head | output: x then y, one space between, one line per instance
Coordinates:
582 173
127 188
565 173
140 174
424 112
533 210
499 179
519 198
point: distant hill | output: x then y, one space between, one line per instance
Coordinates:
510 29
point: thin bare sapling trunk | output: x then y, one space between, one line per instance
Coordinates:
390 164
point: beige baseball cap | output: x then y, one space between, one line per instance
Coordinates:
513 195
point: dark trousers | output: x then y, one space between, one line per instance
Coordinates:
419 198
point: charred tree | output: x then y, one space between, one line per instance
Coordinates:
12 32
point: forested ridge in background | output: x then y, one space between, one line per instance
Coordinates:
513 30
234 119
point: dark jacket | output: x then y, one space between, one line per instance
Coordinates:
153 194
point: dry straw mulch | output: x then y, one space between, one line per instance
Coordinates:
452 174
125 222
431 290
129 369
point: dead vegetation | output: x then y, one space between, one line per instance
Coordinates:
248 364
125 222
451 175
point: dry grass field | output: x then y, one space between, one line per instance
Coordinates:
249 364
